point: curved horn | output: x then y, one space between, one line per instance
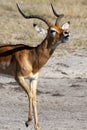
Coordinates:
59 16
34 16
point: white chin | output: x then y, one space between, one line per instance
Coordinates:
65 40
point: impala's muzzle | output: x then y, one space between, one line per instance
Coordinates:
65 37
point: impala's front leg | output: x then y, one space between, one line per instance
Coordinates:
34 89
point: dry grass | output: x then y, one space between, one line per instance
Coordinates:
15 29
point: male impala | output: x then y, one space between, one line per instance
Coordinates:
23 61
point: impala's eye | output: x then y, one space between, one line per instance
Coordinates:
53 32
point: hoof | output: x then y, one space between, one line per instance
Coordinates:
27 123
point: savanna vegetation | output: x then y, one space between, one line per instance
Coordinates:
15 29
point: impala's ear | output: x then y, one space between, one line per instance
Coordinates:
65 26
39 29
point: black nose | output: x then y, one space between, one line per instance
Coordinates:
66 34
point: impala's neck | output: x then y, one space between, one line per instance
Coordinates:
48 45
52 44
42 53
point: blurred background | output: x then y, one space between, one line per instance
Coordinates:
14 29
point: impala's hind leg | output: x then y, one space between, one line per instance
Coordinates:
28 122
30 111
21 81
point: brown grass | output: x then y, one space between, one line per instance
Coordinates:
15 29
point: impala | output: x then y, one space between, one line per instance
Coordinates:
22 61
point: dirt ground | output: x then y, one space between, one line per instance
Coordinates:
62 96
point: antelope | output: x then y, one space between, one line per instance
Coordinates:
22 61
